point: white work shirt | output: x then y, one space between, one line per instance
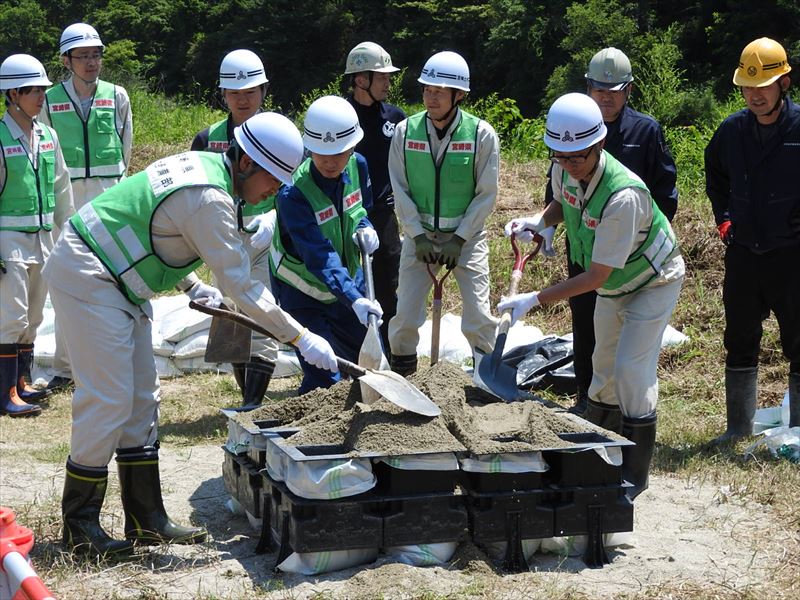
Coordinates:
86 189
194 222
624 226
487 169
34 248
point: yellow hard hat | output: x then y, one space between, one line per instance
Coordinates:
762 62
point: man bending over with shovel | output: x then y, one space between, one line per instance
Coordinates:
629 254
147 235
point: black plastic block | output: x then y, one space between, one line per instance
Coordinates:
424 520
609 503
585 468
250 485
492 516
257 456
484 483
231 468
394 481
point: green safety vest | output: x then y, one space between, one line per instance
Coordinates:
91 148
28 198
337 229
442 193
218 142
116 224
645 262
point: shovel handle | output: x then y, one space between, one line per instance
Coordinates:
369 282
436 312
520 260
344 365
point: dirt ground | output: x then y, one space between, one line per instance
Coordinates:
691 539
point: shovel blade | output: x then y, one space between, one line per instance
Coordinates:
228 342
397 390
496 377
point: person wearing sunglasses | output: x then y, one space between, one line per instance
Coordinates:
629 256
93 120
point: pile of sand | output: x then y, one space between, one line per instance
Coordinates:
471 419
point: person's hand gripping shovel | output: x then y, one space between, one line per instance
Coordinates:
492 374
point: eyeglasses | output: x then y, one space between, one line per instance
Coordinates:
97 56
575 160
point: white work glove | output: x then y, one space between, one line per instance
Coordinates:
519 304
547 246
205 294
524 227
371 241
317 351
362 307
264 226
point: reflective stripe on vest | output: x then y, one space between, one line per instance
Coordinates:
337 229
452 180
646 261
91 148
116 224
27 200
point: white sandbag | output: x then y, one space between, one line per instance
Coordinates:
441 461
314 563
166 367
235 507
422 555
576 544
330 479
192 346
497 550
511 462
176 320
672 337
254 521
785 409
276 461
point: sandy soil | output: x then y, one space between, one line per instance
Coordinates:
688 536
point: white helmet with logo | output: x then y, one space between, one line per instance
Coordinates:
273 142
79 35
369 56
574 122
241 70
22 70
331 126
446 69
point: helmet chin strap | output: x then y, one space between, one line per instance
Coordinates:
449 114
368 89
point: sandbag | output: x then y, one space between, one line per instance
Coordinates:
422 555
511 462
330 479
441 461
314 563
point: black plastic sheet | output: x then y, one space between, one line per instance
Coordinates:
544 364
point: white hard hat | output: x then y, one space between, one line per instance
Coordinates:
240 70
574 122
22 70
331 126
273 142
79 35
369 56
609 69
446 69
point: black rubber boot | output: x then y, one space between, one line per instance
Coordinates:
581 404
84 492
741 392
636 459
240 375
59 383
10 402
606 416
146 521
794 399
257 377
25 390
404 364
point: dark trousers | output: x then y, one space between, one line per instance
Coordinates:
386 265
756 284
582 309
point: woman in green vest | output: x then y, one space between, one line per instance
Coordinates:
314 260
628 251
35 195
244 86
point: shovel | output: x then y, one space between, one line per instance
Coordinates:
492 373
392 386
228 341
436 312
371 355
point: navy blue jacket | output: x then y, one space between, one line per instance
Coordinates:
303 239
378 122
637 141
752 186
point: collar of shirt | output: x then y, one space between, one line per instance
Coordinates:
19 135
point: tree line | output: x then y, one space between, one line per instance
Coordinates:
528 51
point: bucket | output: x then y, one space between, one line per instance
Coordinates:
18 580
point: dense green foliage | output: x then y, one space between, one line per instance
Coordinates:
683 51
